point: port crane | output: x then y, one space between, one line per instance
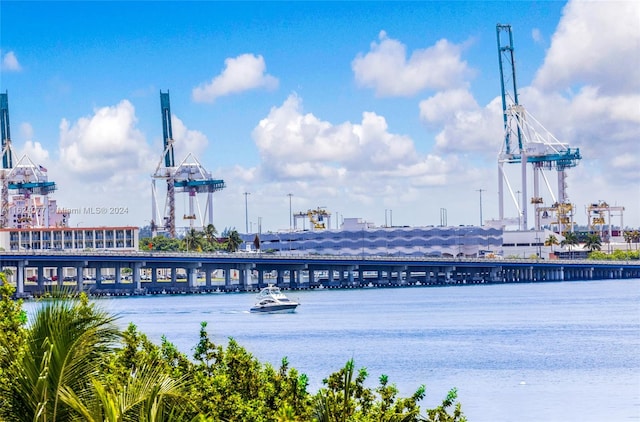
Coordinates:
599 216
6 157
24 177
527 141
189 176
316 217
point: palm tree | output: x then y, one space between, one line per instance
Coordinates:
233 241
570 240
149 394
59 374
193 240
551 241
593 242
210 234
65 345
631 237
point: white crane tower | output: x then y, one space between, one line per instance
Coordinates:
526 141
188 177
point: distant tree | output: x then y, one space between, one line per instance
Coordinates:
210 234
570 240
193 240
631 236
160 243
599 256
552 241
233 241
635 237
593 242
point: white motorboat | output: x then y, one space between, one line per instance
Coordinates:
271 299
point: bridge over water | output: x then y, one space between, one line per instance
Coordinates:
197 272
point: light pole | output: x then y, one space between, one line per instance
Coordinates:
519 210
246 212
481 190
290 212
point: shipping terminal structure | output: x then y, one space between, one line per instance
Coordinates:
189 177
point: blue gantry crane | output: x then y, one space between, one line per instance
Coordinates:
526 141
23 177
189 176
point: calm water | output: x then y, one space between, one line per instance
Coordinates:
529 352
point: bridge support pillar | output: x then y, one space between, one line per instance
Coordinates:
40 277
227 278
207 278
191 277
118 275
20 278
79 279
136 276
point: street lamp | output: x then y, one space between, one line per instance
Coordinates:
519 210
290 212
246 212
481 190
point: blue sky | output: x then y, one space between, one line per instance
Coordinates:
359 107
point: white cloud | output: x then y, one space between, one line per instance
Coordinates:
297 145
241 73
596 43
105 146
36 152
386 69
464 125
186 140
10 62
363 166
604 127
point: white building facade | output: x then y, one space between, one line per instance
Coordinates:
70 239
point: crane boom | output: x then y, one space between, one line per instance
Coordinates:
526 141
506 57
5 132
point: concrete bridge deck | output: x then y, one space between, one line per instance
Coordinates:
196 272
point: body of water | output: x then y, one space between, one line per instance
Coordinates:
565 351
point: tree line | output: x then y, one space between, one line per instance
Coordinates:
205 240
593 242
71 362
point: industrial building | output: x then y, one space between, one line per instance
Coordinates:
359 238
